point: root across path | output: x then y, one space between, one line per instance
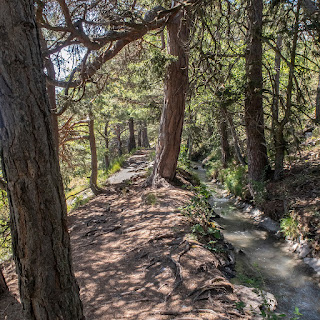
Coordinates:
134 259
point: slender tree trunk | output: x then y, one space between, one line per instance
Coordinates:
3 284
277 131
38 212
176 82
144 136
318 103
118 137
236 143
279 135
106 140
140 134
132 141
224 141
254 117
94 159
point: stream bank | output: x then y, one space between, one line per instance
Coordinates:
264 261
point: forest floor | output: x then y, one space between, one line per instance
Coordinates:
134 258
298 194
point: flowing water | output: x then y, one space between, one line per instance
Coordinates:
265 261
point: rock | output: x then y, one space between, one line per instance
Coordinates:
269 225
313 263
305 250
254 300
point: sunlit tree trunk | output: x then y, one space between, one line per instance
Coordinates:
132 140
254 117
38 212
176 82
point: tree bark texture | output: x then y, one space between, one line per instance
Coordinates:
176 82
144 136
40 240
94 158
3 284
132 140
254 118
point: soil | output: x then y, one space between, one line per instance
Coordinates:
134 258
298 193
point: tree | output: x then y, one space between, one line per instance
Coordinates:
254 117
40 240
131 140
176 82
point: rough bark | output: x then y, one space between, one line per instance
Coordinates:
94 158
144 136
40 240
254 118
106 141
3 284
176 82
132 140
224 142
140 135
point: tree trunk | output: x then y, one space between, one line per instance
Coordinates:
118 137
94 159
106 140
277 131
236 143
254 118
132 141
38 212
224 141
144 136
176 82
279 136
140 135
318 103
3 284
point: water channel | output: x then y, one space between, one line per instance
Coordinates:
266 261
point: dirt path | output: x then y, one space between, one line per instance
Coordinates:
133 259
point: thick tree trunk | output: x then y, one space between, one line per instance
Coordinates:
176 82
224 141
254 118
132 140
106 141
94 159
3 284
38 213
118 137
144 136
318 103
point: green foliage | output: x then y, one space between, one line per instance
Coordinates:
151 199
5 236
290 227
199 213
79 201
183 160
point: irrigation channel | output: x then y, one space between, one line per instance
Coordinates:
264 261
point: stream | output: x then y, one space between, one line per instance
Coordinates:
264 261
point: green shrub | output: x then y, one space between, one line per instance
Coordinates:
290 227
